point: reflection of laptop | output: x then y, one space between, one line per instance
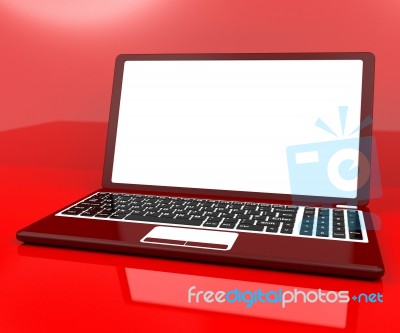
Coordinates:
316 301
247 159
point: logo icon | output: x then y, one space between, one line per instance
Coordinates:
331 168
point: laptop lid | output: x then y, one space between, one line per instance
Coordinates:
283 127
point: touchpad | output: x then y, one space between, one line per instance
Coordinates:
205 239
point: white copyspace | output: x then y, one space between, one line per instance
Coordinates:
226 124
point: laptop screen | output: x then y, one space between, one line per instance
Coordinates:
270 126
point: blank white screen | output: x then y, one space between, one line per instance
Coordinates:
226 124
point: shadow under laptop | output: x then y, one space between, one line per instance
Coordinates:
292 298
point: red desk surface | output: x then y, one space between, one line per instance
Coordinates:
47 166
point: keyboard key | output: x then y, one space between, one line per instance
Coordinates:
355 235
108 205
282 219
222 210
323 222
247 221
259 218
337 234
322 233
110 210
93 200
72 211
198 217
264 208
285 210
227 225
338 219
93 205
118 216
165 210
287 225
89 213
153 214
278 206
354 220
237 205
338 229
286 230
267 223
307 226
211 224
287 215
272 228
322 227
182 216
80 207
133 205
349 212
269 214
137 212
352 215
205 213
306 232
227 215
323 215
338 224
231 220
214 219
354 226
242 226
103 215
337 212
168 215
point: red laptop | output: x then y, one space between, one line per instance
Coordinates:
257 160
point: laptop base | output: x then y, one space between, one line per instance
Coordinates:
318 256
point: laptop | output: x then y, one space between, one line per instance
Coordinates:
260 160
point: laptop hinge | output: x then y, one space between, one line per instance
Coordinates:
346 206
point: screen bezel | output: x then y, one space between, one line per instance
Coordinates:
362 197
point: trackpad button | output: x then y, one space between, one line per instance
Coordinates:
206 239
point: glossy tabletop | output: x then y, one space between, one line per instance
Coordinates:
46 167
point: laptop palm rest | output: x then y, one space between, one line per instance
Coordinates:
187 237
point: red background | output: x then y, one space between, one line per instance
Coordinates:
56 68
57 56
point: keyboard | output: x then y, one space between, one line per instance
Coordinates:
282 220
